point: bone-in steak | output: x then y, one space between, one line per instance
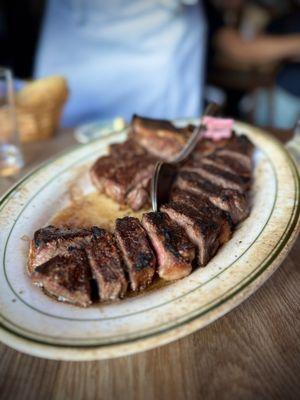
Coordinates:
106 265
66 277
174 250
136 251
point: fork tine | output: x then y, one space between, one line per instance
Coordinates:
165 171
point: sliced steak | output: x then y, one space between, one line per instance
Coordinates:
174 250
159 137
204 207
207 146
233 202
66 277
136 251
106 265
118 178
50 241
200 229
240 149
218 176
228 164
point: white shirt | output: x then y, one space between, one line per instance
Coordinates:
125 56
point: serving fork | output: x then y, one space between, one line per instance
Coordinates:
165 172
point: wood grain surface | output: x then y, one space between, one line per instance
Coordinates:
251 353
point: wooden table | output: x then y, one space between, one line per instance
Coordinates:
251 353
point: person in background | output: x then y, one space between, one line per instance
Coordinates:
286 93
125 56
239 45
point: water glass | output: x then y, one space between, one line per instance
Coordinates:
11 159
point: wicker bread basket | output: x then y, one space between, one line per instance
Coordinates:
39 106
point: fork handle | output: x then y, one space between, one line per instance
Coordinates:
211 109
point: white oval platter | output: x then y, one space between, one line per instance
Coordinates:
35 324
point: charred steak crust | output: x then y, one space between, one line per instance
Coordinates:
51 241
227 163
240 148
204 206
93 249
174 250
137 253
106 265
124 179
229 200
67 277
218 176
201 230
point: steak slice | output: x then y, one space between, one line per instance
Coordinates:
174 250
203 206
51 241
233 202
228 164
118 178
66 277
200 229
106 266
240 149
159 137
207 146
136 251
218 176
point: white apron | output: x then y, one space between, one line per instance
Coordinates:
125 56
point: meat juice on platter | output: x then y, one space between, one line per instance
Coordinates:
106 245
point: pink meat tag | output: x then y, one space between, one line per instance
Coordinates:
218 128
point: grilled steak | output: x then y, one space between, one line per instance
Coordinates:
126 149
228 164
50 241
174 251
118 178
67 277
200 229
208 197
159 137
218 176
228 200
136 251
207 146
106 265
240 149
204 206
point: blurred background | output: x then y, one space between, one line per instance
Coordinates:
161 58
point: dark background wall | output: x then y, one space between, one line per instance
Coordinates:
20 22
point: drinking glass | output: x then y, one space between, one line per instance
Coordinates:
11 159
